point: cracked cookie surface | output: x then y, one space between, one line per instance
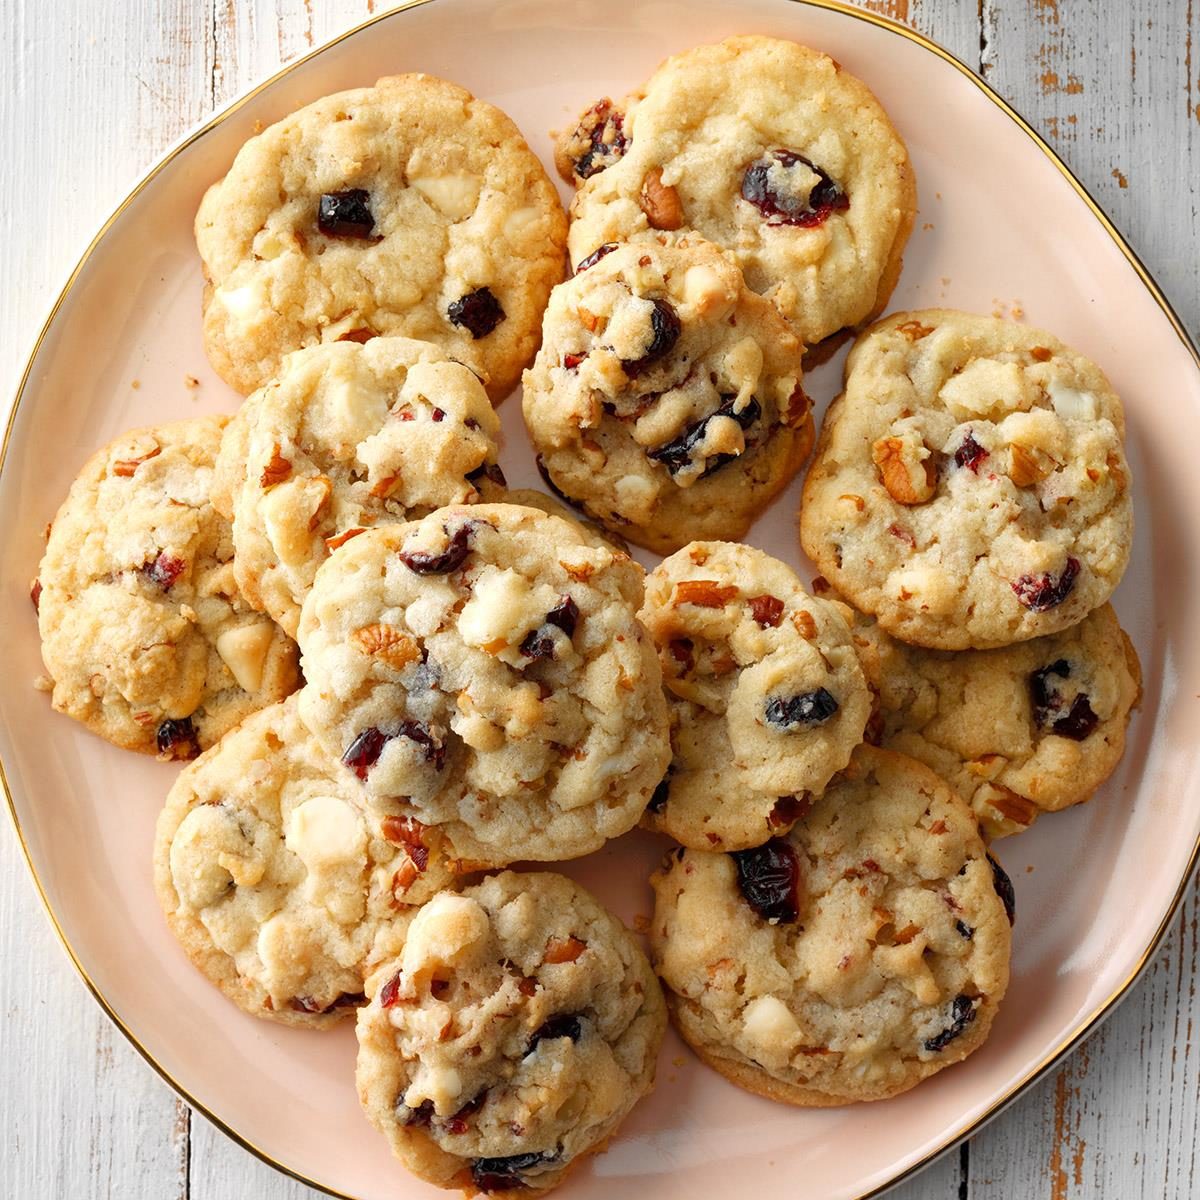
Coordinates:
407 208
1018 731
666 399
511 1029
863 952
274 876
766 695
772 151
970 487
349 436
145 633
482 670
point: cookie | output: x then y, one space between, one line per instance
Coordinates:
482 671
970 488
863 952
766 695
350 436
274 877
1018 731
666 399
772 151
511 1029
145 634
406 208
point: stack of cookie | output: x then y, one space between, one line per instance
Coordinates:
489 678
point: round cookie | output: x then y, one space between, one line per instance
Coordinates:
405 208
770 150
860 954
766 695
666 399
274 877
1017 731
482 670
510 1031
145 635
350 436
970 488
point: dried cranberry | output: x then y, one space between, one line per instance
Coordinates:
490 471
420 562
969 453
595 256
539 643
962 1013
390 992
346 214
1078 722
477 312
1004 889
784 207
807 709
35 594
658 800
676 455
1041 592
787 810
363 753
571 361
499 1174
421 1115
164 570
564 1025
601 131
767 611
665 329
564 615
769 877
456 1123
177 737
438 414
964 930
304 1004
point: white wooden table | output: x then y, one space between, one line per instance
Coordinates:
92 90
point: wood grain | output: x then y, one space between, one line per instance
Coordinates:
90 94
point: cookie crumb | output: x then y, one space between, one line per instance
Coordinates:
190 381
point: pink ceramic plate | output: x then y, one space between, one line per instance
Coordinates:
1001 223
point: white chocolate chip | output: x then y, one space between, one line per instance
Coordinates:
769 1027
287 513
503 608
1070 404
324 832
244 651
247 303
454 196
986 387
445 932
926 587
704 290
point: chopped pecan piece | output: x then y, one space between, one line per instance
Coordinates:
125 467
660 202
908 480
703 593
277 469
563 950
386 642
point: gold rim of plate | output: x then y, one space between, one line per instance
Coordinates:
1034 1073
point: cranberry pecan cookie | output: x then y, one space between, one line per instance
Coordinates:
510 1031
482 670
970 487
666 399
766 695
1017 731
770 150
347 437
275 878
405 208
863 952
145 634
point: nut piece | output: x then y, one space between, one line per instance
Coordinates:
660 202
125 467
914 330
1028 466
244 651
909 477
564 950
276 470
704 593
386 642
